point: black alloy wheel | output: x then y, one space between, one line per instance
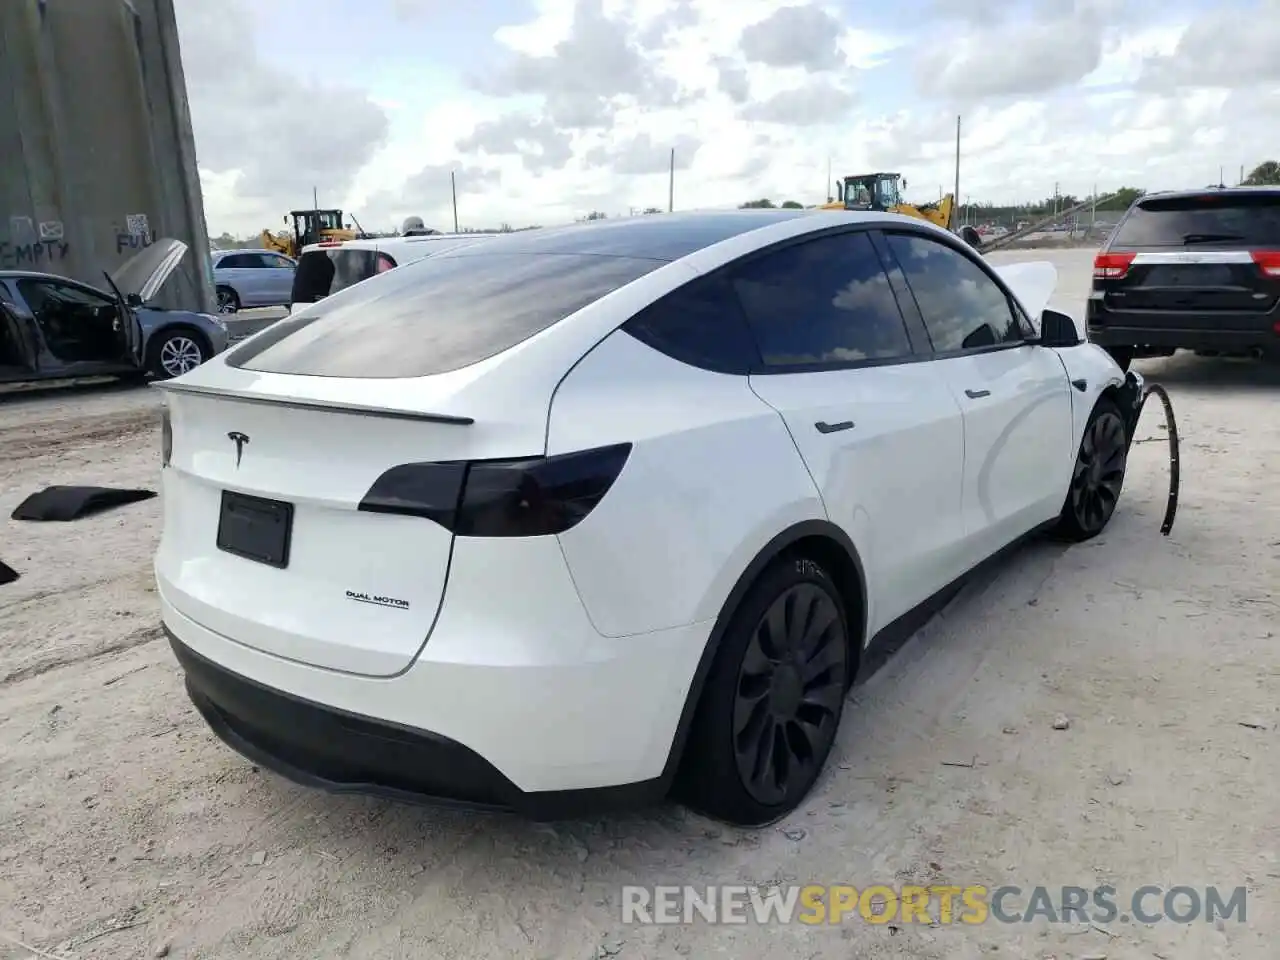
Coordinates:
791 686
1098 475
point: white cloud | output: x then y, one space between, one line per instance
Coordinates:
577 108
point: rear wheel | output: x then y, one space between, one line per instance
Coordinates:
773 700
228 300
1097 476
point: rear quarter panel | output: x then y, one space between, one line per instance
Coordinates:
713 476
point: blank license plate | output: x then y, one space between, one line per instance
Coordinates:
255 528
1192 275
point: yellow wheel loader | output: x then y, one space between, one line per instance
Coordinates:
881 191
309 226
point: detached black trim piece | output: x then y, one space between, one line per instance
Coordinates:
318 746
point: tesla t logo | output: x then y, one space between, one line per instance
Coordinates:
239 439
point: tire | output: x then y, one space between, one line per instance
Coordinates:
746 690
1122 356
228 300
172 353
1097 476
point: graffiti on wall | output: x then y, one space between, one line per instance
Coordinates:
136 235
32 246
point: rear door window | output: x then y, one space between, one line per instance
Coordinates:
320 273
435 315
1204 219
824 302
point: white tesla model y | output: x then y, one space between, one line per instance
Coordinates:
576 516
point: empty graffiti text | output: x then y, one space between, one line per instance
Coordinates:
31 255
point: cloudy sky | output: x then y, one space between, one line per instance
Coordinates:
548 109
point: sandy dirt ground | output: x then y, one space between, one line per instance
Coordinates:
127 830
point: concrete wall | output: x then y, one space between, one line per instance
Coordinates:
97 157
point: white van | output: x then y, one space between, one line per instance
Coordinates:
327 267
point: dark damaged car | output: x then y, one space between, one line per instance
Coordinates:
53 327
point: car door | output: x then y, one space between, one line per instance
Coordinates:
230 271
17 356
280 283
83 331
1015 395
881 435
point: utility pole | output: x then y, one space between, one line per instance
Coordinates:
671 183
1241 180
1221 182
1093 208
827 191
453 188
315 199
956 195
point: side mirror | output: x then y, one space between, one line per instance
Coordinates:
1057 329
133 300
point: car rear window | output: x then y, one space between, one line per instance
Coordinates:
321 273
437 314
1205 218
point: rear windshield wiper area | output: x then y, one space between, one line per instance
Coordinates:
1210 237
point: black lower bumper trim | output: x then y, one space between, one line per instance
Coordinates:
318 746
1185 338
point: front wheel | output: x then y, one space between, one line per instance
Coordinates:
175 352
773 700
1097 476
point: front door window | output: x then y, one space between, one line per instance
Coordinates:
78 325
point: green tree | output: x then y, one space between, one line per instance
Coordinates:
1264 174
596 215
1122 199
765 204
792 205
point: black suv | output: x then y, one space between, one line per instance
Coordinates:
1196 270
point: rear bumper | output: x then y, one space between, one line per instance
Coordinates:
318 746
519 704
1225 333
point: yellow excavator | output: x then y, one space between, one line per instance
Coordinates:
883 191
309 226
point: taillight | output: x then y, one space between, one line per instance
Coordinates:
533 497
1268 262
166 437
1111 266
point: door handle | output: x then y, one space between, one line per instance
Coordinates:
1082 384
824 427
977 394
